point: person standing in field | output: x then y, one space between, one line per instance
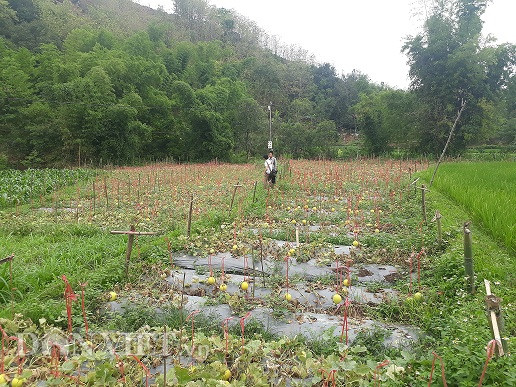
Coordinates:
271 168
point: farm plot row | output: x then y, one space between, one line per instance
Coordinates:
207 304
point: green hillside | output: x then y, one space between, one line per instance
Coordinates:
90 81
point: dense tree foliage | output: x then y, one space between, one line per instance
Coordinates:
195 85
183 88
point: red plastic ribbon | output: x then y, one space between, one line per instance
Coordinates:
242 327
145 369
328 377
345 326
378 367
490 352
192 316
69 296
436 356
55 354
22 350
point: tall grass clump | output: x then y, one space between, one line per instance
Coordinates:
488 192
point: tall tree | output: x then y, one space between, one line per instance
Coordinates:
449 64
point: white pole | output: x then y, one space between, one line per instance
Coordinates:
270 124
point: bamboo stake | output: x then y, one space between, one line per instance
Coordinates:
233 196
414 184
261 260
494 319
468 258
129 250
437 218
254 191
8 259
137 233
130 242
423 201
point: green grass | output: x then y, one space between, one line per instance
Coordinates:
487 190
44 253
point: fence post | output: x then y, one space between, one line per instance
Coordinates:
468 258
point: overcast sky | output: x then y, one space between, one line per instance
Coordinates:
366 35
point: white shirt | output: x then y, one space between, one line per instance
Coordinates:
270 164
